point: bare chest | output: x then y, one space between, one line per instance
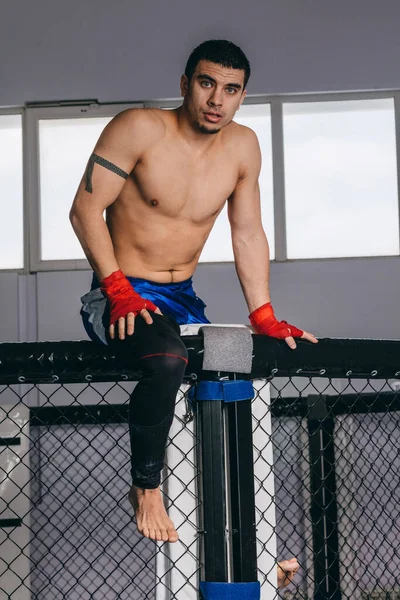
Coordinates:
177 185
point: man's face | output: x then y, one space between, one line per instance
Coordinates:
213 96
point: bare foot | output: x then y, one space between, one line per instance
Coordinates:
287 569
151 517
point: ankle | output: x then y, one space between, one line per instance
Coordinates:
141 492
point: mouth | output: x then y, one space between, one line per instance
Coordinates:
212 117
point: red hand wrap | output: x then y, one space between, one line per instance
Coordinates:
122 297
264 321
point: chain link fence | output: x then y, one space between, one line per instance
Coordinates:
336 451
67 528
326 456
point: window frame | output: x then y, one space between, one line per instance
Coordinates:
31 114
20 111
281 200
34 261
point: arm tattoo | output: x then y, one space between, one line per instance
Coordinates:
95 158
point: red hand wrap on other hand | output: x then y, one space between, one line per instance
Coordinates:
122 297
264 321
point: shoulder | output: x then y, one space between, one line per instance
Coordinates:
245 137
244 143
139 116
136 126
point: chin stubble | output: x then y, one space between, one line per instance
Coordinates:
203 129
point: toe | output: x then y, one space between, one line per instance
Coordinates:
173 535
165 536
158 535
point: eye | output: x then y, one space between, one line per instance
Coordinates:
206 83
231 90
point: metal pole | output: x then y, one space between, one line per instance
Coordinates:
323 500
241 471
213 490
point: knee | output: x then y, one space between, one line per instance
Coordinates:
178 349
168 364
171 368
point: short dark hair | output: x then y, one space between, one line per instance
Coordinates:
220 52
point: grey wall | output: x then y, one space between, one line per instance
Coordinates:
120 51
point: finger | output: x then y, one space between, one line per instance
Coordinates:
121 328
146 316
283 575
288 578
158 311
286 565
286 572
111 331
290 565
130 323
291 343
310 337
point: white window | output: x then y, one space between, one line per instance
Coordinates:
341 179
64 149
218 247
11 193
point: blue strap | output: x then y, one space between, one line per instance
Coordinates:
230 591
228 391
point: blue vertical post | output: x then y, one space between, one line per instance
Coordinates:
230 560
237 526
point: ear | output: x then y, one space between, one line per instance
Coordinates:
242 98
184 85
241 101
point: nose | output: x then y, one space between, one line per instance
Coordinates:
215 98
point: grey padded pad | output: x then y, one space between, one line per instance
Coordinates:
227 349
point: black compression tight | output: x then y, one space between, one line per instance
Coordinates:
162 357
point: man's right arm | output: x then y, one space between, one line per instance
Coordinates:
114 157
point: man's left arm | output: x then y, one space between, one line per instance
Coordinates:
251 249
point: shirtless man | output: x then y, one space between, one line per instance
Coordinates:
163 177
